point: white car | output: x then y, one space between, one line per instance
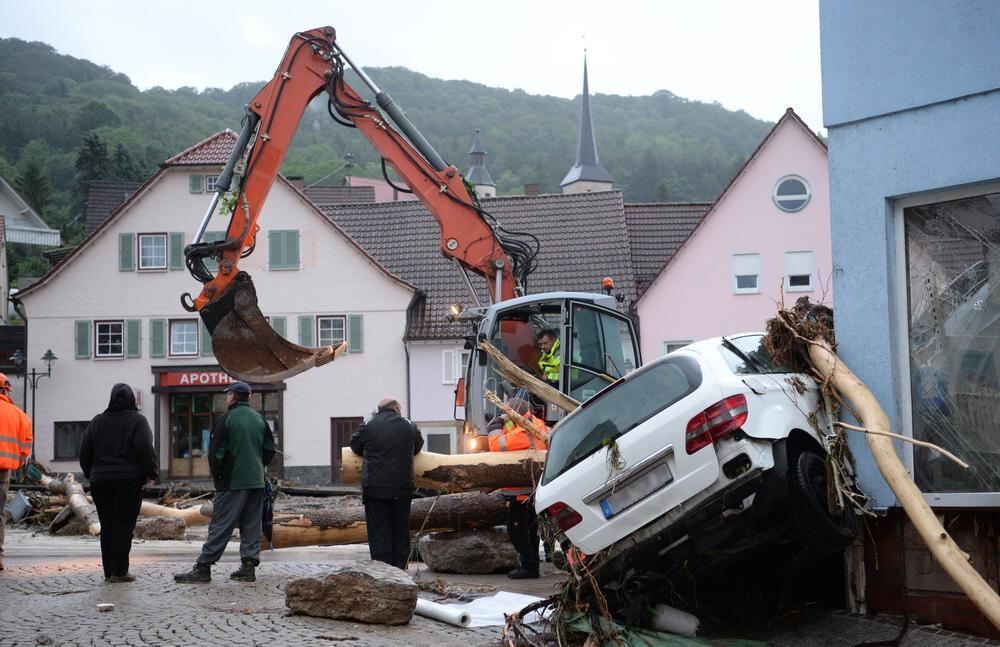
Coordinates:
686 453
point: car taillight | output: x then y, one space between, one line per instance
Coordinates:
565 516
715 422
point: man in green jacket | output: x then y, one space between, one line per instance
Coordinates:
241 446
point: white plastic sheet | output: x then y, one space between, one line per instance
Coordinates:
450 613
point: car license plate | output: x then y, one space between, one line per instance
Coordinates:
637 490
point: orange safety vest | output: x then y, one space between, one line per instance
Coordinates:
15 435
512 438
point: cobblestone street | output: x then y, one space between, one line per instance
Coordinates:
52 586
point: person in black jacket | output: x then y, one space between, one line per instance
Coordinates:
388 442
117 456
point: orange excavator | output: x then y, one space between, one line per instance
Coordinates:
243 341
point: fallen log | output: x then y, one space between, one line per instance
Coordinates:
346 524
814 342
82 507
519 377
192 516
485 471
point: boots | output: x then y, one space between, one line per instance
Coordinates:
245 573
200 573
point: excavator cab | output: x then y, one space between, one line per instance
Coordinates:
597 346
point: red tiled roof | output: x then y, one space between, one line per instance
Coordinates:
583 239
656 231
214 150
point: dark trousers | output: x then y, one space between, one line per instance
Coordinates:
388 522
118 502
522 528
229 509
4 484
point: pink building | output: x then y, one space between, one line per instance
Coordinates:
765 240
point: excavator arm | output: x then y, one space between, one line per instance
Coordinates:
243 341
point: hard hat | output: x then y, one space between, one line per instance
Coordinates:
4 383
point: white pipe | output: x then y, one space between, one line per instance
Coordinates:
443 613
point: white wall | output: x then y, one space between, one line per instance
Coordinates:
335 278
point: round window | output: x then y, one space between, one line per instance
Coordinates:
791 193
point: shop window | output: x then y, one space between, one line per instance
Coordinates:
152 251
67 439
331 330
109 338
184 337
952 264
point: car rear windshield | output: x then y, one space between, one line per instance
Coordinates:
619 409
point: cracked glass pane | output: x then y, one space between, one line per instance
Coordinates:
953 285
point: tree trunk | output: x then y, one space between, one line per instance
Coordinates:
192 516
78 501
462 472
954 561
346 524
519 377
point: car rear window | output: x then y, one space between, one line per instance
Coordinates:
619 409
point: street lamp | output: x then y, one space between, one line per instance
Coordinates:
32 379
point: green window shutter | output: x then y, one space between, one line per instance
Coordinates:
276 250
197 183
212 237
133 338
158 338
355 333
279 325
292 250
306 325
83 337
176 250
206 339
126 252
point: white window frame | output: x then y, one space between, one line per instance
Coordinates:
170 338
138 252
791 259
807 196
734 272
319 329
109 323
453 364
441 427
670 345
210 182
935 499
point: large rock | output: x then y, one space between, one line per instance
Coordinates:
160 528
365 591
468 551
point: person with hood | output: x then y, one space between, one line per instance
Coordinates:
117 457
15 446
241 446
388 442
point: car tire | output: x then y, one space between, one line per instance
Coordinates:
824 531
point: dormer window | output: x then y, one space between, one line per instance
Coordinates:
791 193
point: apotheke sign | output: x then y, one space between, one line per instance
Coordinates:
195 378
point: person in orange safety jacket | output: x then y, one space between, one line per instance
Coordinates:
522 523
15 446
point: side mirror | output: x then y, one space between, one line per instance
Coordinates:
460 393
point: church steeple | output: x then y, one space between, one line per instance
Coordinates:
587 173
477 175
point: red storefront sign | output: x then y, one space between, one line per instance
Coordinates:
195 378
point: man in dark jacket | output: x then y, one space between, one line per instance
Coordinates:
241 446
117 457
388 442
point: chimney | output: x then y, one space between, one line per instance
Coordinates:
531 189
297 181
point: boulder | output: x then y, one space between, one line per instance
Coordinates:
160 528
487 550
365 591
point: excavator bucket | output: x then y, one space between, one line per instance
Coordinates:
245 344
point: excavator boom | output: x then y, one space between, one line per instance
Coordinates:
242 340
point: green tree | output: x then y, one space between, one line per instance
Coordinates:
92 163
34 187
95 114
123 167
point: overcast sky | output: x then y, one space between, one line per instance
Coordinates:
760 56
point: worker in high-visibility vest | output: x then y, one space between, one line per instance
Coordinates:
550 360
522 522
15 446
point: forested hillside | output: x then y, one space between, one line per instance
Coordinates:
65 121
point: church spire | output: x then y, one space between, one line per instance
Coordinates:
477 175
587 173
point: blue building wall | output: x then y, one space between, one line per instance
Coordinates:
911 100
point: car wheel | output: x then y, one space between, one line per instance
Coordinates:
824 531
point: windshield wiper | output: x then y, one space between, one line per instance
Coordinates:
742 355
